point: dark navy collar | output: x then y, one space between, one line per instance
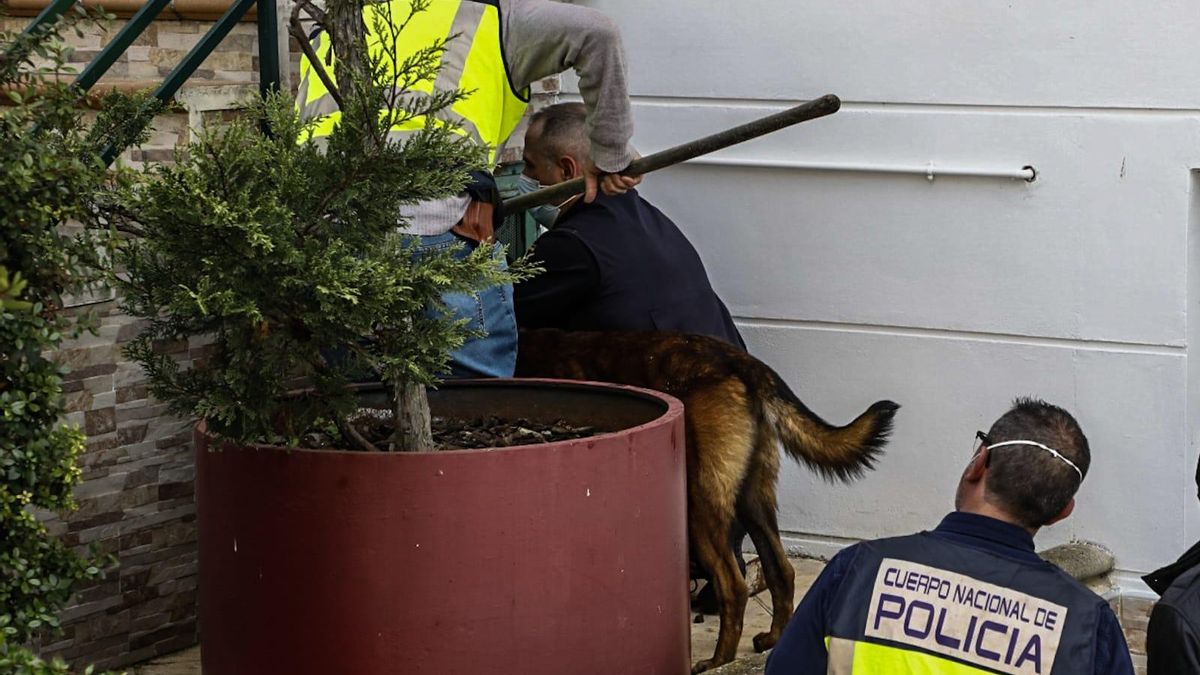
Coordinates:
988 533
602 203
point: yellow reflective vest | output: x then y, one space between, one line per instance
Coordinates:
473 61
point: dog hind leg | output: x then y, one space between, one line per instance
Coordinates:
756 510
715 556
720 439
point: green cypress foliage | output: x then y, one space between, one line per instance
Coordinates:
287 257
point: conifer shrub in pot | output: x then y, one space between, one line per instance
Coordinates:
337 534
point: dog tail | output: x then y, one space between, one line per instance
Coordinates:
842 453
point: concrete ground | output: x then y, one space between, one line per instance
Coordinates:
186 662
704 635
1080 560
1133 614
758 613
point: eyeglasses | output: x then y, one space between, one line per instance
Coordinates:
984 441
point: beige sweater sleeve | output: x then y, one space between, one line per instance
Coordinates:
544 38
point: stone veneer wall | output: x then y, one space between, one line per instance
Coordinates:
161 47
1133 611
136 500
136 497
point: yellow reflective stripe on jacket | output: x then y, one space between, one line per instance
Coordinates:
473 61
850 657
494 108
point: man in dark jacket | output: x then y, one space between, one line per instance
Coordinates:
972 596
1173 636
617 263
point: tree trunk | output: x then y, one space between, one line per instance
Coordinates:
412 418
411 404
349 35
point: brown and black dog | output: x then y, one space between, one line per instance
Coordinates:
737 410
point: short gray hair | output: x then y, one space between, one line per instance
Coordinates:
562 130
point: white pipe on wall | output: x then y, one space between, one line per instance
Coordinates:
930 171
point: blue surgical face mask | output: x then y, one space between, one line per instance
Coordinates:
545 214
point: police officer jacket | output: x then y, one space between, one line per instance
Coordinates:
968 597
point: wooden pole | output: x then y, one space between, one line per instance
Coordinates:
826 105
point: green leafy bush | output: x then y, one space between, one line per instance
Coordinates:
50 172
17 661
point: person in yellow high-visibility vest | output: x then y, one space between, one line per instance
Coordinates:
500 48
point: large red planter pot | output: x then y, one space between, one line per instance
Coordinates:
559 558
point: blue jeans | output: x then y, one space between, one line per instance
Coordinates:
490 311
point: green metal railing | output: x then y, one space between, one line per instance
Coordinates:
519 229
268 48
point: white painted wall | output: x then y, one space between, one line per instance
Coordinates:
952 296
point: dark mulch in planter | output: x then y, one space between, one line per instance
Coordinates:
493 432
478 434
